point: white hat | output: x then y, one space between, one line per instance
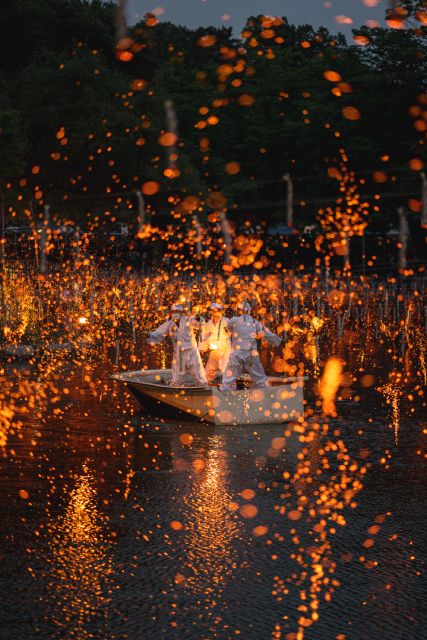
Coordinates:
215 306
244 306
177 307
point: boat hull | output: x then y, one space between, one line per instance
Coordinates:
280 402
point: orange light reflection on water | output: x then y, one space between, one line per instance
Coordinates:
79 583
210 524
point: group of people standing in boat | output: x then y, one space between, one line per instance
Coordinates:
231 344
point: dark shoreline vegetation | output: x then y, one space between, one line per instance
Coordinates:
84 124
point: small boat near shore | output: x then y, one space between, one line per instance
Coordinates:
280 402
23 352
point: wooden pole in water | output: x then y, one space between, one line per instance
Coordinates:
2 256
141 208
121 21
91 305
34 235
141 213
198 235
226 232
403 238
171 127
289 200
43 240
363 254
347 264
76 245
346 237
424 200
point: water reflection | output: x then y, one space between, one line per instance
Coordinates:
211 526
319 487
289 565
79 576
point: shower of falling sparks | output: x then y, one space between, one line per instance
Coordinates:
348 218
316 497
392 394
77 297
371 326
318 492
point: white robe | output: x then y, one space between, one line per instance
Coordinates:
244 354
186 357
216 340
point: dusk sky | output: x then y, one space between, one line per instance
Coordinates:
334 14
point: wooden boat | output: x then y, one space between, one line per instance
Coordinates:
18 352
280 402
29 351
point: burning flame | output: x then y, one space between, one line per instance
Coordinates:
329 384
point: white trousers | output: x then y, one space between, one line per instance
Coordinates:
188 362
243 361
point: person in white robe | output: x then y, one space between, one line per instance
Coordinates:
245 331
186 356
216 340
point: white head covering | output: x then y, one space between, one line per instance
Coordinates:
177 308
215 306
244 306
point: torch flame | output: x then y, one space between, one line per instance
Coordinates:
317 323
329 384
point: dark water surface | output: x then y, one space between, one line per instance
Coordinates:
117 526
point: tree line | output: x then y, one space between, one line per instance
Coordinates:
204 119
